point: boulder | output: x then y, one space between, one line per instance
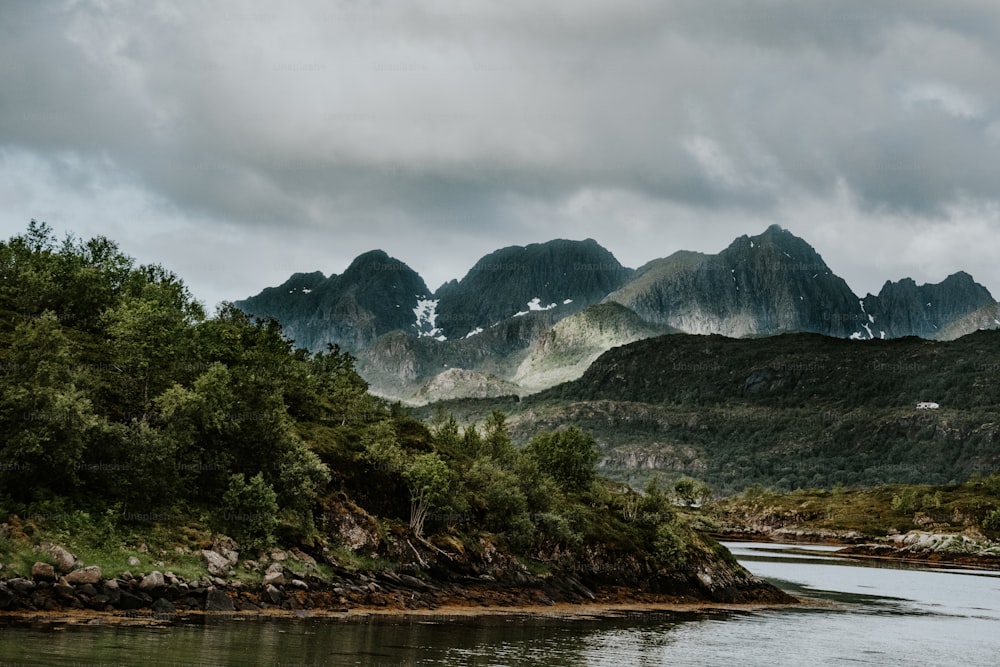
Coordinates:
217 600
64 591
226 547
152 581
133 561
272 593
129 601
43 572
88 575
21 586
274 575
64 559
164 606
216 564
87 589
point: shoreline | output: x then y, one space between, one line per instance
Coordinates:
570 611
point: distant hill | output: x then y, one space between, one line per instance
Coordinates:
789 411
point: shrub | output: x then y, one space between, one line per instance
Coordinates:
250 511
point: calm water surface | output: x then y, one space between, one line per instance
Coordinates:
863 615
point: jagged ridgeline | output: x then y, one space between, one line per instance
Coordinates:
129 416
526 318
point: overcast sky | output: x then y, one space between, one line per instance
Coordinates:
237 143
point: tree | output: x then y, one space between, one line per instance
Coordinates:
46 419
691 492
496 442
432 485
568 455
250 511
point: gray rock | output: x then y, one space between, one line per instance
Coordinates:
152 581
133 561
43 572
21 585
217 600
227 547
64 559
88 575
216 564
275 574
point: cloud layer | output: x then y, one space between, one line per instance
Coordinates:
238 143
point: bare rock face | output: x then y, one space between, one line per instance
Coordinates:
936 311
354 527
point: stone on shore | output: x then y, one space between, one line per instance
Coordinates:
275 575
217 600
152 581
88 575
216 564
43 572
64 559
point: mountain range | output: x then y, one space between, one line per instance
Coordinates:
527 318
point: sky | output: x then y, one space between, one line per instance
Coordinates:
237 143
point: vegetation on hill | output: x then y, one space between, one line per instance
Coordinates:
128 415
873 511
791 411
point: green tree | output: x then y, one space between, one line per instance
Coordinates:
496 442
46 418
691 491
249 511
569 455
432 485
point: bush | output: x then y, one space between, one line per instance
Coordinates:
250 512
669 547
992 520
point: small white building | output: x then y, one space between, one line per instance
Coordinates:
927 405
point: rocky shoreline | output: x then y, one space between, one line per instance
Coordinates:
163 597
434 579
967 549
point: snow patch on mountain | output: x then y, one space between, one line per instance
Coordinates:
426 314
536 304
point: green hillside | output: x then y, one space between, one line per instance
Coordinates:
791 411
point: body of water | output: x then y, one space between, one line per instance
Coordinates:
858 615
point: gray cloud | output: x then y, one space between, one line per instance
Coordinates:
238 143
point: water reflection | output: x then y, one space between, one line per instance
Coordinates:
860 615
